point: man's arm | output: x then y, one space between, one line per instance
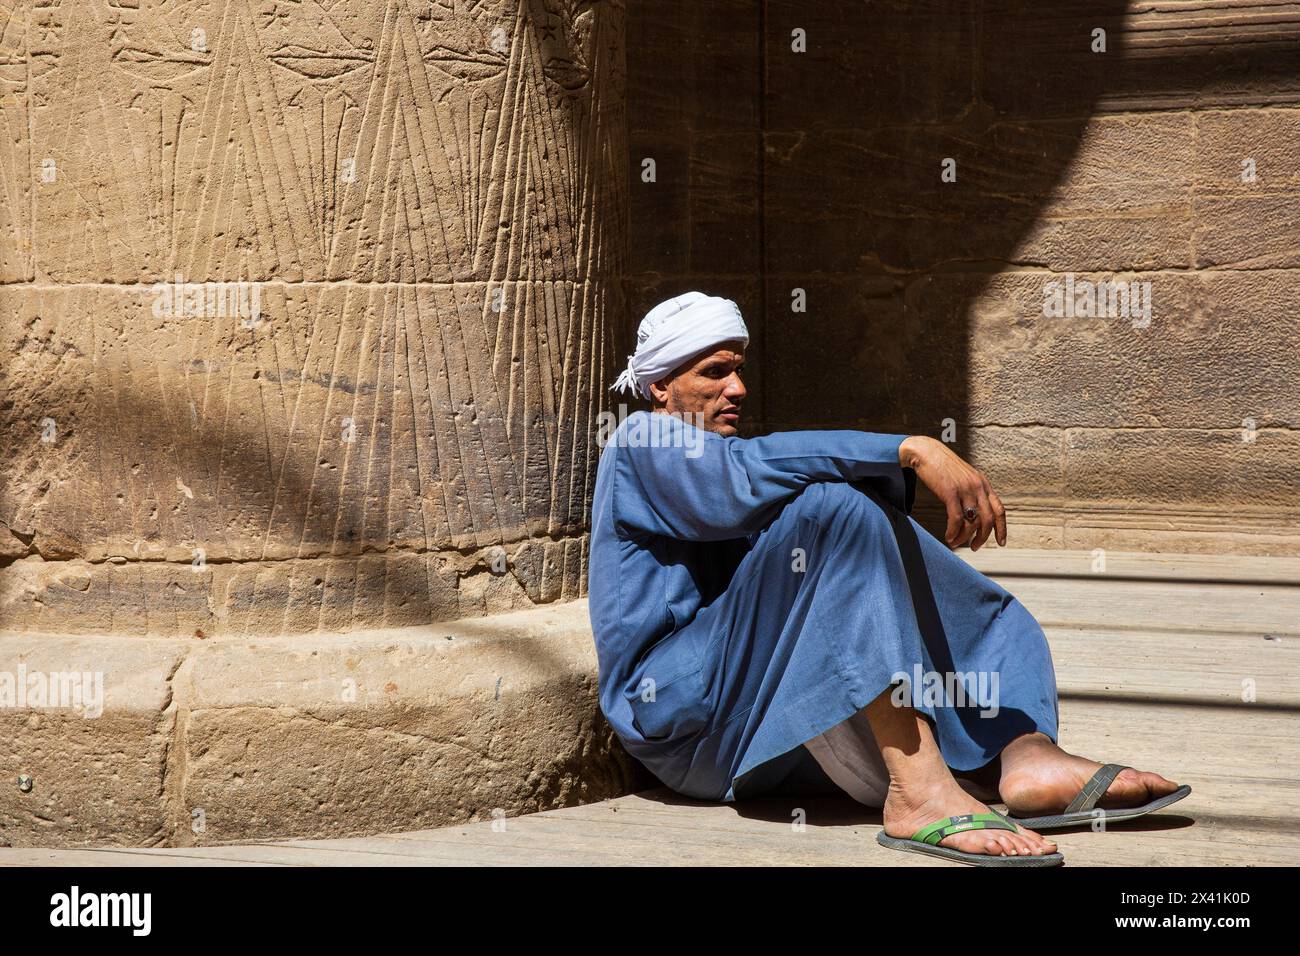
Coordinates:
718 488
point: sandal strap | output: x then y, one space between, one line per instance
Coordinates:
1095 788
937 831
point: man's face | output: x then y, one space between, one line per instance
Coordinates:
707 387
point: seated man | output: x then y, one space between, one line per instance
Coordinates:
762 608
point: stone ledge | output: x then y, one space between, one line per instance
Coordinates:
203 742
273 598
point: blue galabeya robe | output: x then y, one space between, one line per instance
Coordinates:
747 595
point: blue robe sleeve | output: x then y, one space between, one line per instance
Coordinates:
694 485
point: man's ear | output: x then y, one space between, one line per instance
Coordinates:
659 392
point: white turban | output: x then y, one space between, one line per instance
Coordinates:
676 330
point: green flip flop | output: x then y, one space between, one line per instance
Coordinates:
926 840
1083 809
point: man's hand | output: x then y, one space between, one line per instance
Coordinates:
958 486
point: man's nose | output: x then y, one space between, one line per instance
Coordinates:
735 389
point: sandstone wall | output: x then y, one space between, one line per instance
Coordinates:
427 200
822 171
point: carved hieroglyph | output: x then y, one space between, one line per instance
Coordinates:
306 307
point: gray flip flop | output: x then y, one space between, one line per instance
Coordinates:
1083 809
926 839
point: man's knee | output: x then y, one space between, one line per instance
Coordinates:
830 502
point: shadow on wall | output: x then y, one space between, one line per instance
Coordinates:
819 176
906 159
471 411
314 498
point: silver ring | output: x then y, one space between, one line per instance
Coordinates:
970 514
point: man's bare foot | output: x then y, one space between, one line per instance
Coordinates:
908 811
1038 777
982 783
922 789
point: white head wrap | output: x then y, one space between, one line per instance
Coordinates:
674 331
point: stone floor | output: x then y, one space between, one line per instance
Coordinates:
1154 656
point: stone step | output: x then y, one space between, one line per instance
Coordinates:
1210 569
316 735
447 721
1225 594
1241 766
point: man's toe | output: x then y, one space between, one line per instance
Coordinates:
1038 840
1159 785
1132 788
975 841
1028 846
999 843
